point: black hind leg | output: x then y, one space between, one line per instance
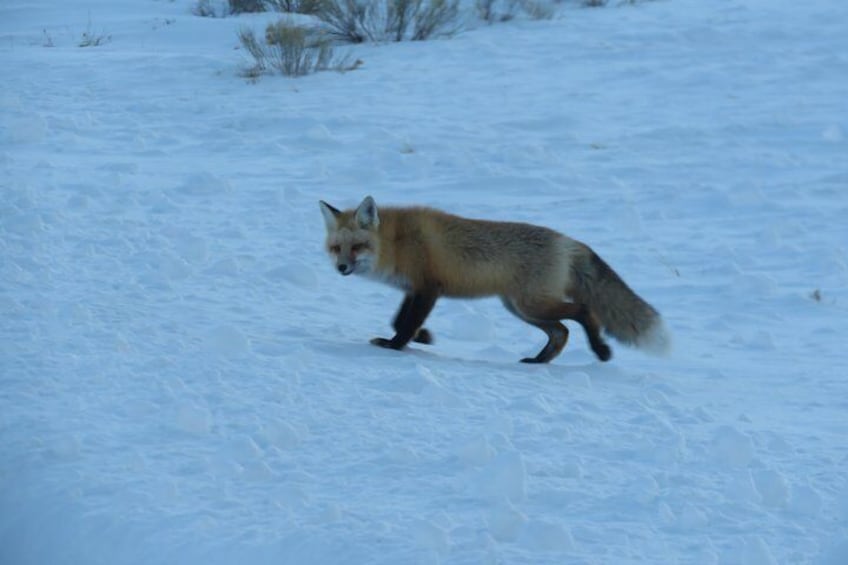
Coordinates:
556 331
593 332
557 338
546 317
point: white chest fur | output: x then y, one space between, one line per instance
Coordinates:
391 279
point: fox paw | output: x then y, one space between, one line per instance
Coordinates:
603 352
383 342
423 336
533 360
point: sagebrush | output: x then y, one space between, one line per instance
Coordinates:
492 11
294 6
356 21
292 50
246 6
223 8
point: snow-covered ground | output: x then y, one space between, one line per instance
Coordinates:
185 379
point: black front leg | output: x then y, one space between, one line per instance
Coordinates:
409 319
423 335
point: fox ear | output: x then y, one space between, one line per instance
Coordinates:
331 215
366 214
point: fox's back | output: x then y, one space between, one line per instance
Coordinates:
469 257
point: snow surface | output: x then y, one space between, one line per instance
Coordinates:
185 379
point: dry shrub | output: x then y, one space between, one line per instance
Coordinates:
292 50
356 21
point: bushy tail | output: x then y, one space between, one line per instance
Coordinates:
622 313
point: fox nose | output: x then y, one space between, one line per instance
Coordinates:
344 269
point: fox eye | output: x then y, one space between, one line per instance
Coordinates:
357 247
336 249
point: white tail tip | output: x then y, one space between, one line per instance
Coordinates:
656 340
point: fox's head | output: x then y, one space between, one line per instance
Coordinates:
352 236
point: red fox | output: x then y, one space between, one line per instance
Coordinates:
427 254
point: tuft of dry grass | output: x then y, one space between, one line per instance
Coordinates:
291 50
357 21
